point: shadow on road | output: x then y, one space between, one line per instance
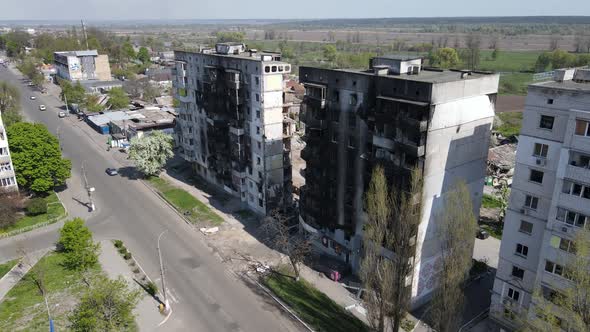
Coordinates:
130 173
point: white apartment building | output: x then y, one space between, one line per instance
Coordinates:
550 197
231 126
7 177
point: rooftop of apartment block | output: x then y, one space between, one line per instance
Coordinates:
570 79
238 50
390 65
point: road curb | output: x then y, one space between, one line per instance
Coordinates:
159 195
283 305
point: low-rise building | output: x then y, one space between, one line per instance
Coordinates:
82 65
7 175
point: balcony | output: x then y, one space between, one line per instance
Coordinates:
5 159
578 173
236 131
411 147
317 103
421 125
383 142
232 80
183 95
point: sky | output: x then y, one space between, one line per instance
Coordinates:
277 9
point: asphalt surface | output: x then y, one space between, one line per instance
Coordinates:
204 294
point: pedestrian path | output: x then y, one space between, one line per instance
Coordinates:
147 314
18 271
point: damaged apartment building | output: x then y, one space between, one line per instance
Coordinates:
231 126
399 115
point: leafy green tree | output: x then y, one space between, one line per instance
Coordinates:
128 51
566 304
75 94
446 57
495 53
143 55
9 104
117 98
543 61
36 156
150 153
91 103
562 59
80 252
107 305
455 228
393 219
230 36
330 53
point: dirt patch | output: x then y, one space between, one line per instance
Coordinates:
510 103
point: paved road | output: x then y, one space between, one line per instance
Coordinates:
204 294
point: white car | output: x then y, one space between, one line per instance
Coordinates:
61 114
33 97
42 107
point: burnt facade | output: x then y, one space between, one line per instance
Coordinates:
400 116
231 125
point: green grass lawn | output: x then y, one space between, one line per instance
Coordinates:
490 202
5 267
515 84
508 60
511 123
313 306
196 211
495 229
24 309
55 210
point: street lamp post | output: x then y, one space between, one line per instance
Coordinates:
166 304
89 189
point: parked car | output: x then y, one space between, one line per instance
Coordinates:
482 234
61 114
112 171
42 107
33 97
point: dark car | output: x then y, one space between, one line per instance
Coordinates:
112 171
482 234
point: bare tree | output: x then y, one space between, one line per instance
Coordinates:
277 231
471 55
570 305
393 218
494 42
456 228
554 42
10 206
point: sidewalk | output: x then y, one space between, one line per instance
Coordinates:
147 315
18 271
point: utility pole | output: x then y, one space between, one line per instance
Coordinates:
85 35
166 304
89 189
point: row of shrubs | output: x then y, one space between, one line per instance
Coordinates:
149 286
